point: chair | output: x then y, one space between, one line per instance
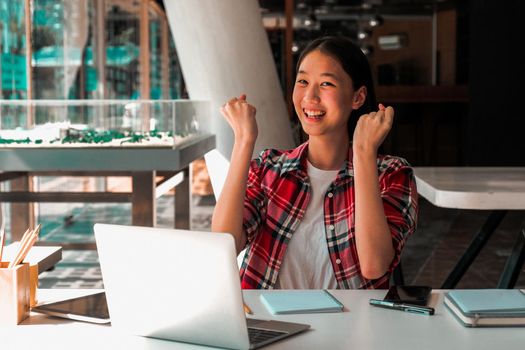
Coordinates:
397 276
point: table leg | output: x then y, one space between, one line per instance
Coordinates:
22 214
143 204
474 248
183 201
514 263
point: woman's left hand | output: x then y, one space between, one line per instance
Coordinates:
372 129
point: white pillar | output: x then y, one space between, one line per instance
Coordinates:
224 51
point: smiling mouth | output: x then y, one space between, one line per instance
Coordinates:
313 114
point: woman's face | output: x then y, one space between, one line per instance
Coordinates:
323 95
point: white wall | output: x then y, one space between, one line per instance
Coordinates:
224 51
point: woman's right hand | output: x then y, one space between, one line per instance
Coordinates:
241 117
228 212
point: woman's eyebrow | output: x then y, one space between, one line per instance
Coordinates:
326 74
330 75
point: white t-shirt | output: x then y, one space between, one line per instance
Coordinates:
306 263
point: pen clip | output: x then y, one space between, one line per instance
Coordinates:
416 311
419 310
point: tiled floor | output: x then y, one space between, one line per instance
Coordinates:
443 235
429 255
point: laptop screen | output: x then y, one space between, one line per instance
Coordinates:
173 284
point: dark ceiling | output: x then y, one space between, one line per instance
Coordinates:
385 7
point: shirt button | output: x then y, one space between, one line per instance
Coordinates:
330 194
337 261
331 227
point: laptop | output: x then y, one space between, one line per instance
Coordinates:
179 285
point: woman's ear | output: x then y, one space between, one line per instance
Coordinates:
359 97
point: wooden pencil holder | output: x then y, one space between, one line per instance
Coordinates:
33 284
14 293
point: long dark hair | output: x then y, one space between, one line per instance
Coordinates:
354 63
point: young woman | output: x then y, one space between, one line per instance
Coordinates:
331 213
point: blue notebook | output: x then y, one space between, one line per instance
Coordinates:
489 301
300 302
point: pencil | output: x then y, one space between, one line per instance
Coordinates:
26 243
37 229
21 245
27 248
247 309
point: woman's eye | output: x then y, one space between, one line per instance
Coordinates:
302 82
327 83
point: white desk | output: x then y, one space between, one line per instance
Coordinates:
472 187
498 189
360 326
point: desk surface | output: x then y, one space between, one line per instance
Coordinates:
360 326
489 188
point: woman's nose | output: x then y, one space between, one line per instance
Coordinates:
311 94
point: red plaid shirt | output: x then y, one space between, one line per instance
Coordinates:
277 195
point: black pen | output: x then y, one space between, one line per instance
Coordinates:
403 307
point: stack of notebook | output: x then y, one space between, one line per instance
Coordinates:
487 307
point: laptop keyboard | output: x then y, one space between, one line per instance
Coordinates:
261 335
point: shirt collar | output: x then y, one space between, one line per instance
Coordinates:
296 162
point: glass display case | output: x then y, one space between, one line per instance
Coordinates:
101 123
104 135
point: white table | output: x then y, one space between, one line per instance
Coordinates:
360 326
497 189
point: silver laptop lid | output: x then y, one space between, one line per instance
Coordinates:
173 284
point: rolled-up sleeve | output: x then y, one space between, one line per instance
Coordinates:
400 202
